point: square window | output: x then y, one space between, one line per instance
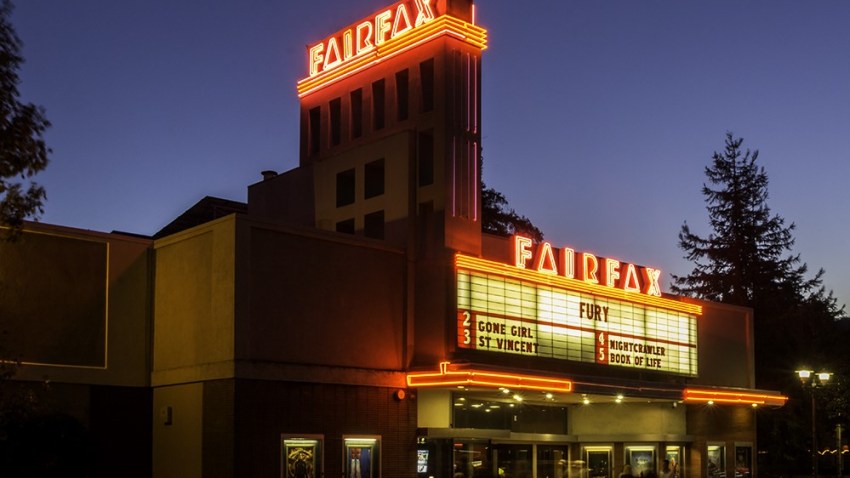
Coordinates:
345 188
373 225
346 226
378 104
374 179
336 120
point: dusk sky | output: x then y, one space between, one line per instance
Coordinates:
599 117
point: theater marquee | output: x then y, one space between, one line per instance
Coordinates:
574 306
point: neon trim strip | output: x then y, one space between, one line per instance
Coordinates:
490 267
480 378
732 397
444 25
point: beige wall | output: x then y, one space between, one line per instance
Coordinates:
194 304
319 299
618 422
177 446
77 304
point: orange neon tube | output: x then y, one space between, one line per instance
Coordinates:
733 397
443 25
481 378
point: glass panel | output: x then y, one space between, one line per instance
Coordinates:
716 461
672 462
552 461
513 461
743 461
598 462
471 459
641 458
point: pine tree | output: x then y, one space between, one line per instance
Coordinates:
742 261
23 152
746 260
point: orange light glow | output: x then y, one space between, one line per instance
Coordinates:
612 272
568 261
733 397
630 283
367 53
546 260
506 270
522 251
588 267
452 376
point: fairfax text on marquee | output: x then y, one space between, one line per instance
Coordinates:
562 304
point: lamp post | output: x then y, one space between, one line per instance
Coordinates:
814 380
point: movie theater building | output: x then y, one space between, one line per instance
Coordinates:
353 320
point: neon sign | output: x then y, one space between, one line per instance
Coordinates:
384 35
588 267
509 309
363 37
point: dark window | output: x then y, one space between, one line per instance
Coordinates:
426 158
401 92
315 129
346 226
345 188
357 113
378 105
374 179
426 74
336 113
373 225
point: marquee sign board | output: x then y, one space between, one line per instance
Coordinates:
506 308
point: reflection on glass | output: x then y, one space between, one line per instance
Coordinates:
471 459
743 461
512 461
552 462
598 463
716 461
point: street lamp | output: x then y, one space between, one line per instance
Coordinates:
814 380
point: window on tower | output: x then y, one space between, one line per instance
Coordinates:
345 188
374 181
378 104
426 76
315 130
402 93
373 225
336 113
357 113
425 151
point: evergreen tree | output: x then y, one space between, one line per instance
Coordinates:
23 152
742 260
746 260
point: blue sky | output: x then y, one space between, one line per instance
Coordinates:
599 117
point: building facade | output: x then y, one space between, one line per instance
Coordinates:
353 320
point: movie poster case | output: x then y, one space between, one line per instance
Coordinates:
361 456
301 456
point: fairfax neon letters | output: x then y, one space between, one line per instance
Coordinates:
366 35
589 268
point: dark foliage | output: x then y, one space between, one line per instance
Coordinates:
23 152
498 218
746 260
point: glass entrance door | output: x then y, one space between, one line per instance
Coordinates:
513 461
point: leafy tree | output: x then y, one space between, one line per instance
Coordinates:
23 152
498 218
